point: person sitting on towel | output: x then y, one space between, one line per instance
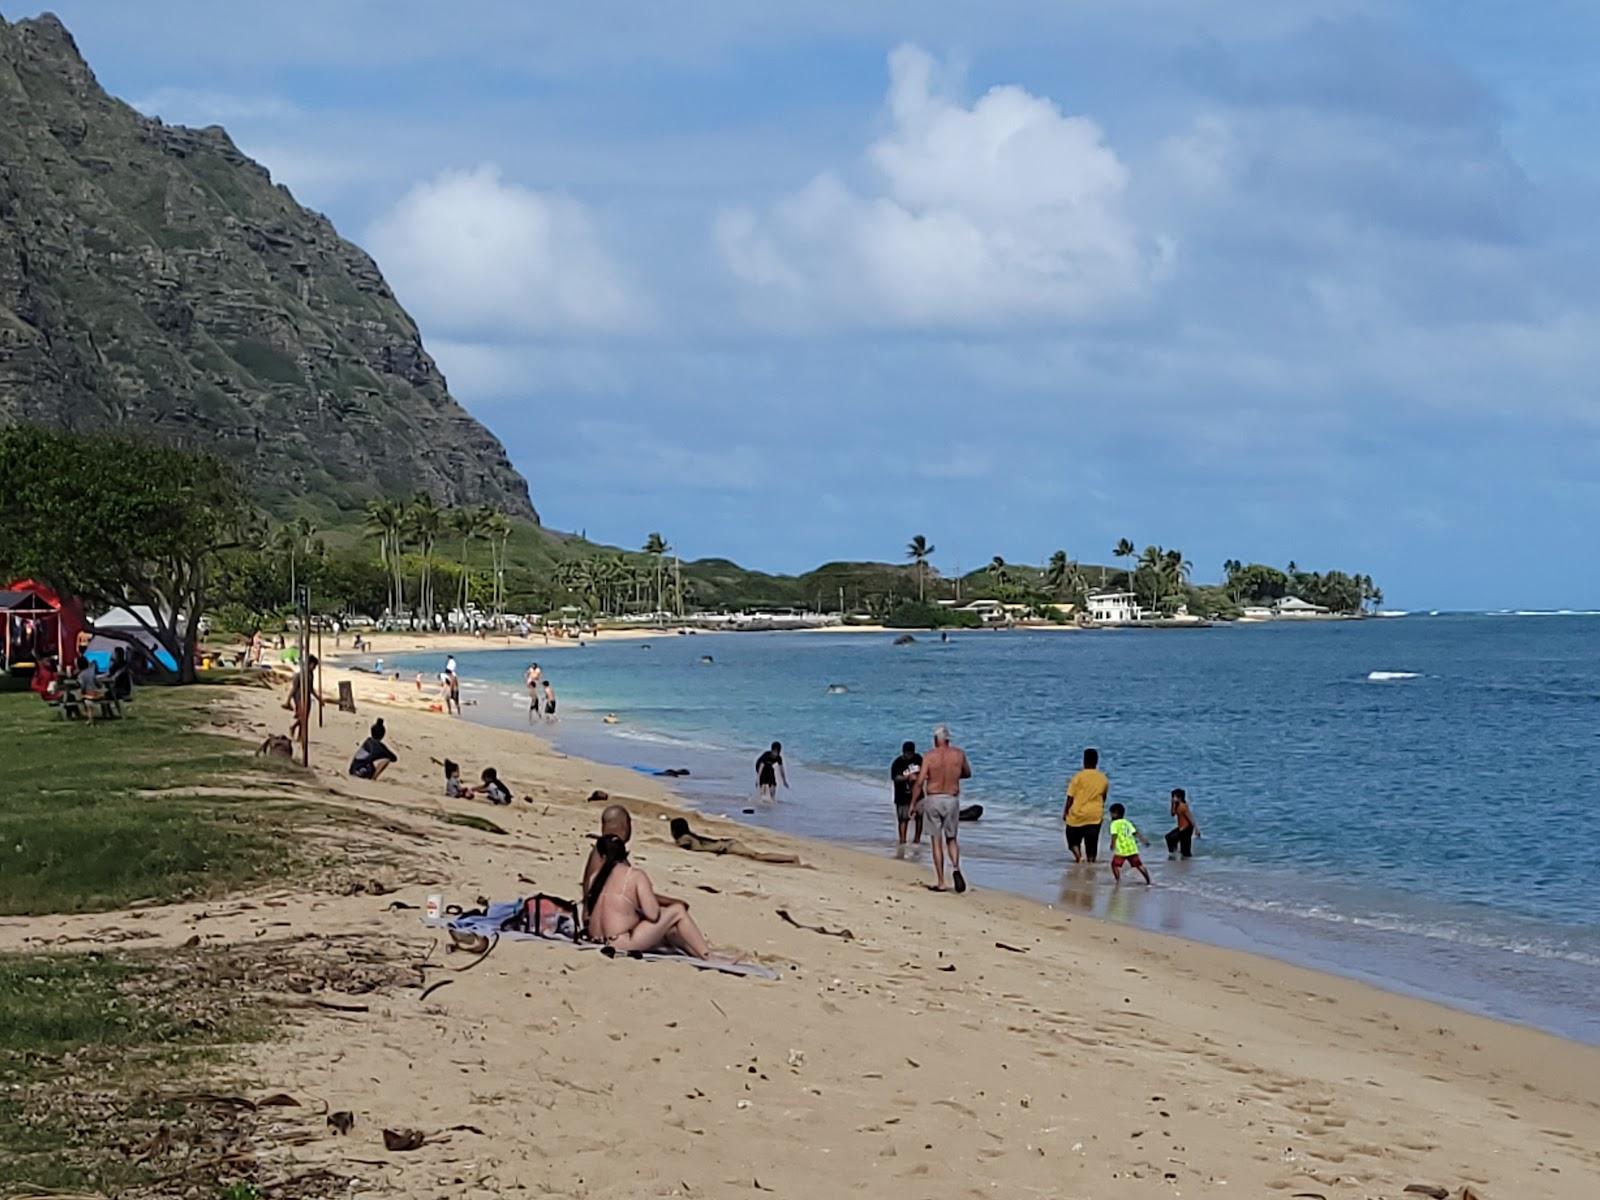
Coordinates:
615 822
690 840
624 912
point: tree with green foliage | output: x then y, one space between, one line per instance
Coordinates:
385 521
1055 572
999 573
497 529
424 521
656 547
115 522
919 551
1124 549
467 524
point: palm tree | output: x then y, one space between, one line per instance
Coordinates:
918 551
1231 570
656 547
1152 564
385 521
1176 570
1124 549
1055 574
497 528
463 523
999 573
425 521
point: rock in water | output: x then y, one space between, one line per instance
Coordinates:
153 278
905 639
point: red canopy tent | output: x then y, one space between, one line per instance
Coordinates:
38 622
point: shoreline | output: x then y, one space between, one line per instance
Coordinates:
948 1047
1425 959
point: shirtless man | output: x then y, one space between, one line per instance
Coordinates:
624 912
549 701
938 794
615 822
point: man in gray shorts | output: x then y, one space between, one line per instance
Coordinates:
938 797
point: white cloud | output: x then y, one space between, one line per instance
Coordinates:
1003 211
473 255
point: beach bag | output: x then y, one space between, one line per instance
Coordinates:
547 917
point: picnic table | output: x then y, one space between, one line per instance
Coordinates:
72 702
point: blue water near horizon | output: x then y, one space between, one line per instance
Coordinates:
1405 801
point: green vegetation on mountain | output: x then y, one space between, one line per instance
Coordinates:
154 279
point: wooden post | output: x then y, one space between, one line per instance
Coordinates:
319 674
303 608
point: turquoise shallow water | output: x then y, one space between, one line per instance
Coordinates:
1406 801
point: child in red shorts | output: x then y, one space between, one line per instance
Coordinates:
1125 840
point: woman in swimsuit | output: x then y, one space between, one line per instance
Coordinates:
623 911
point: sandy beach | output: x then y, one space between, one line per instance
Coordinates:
944 1046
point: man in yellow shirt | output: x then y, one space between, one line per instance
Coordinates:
1086 804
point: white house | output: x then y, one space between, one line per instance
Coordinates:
1114 608
1293 606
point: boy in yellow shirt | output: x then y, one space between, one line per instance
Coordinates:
1125 841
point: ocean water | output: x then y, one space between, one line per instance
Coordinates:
1407 801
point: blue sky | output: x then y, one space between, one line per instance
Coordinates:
1267 281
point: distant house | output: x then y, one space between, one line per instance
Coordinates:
1257 612
1293 606
1114 608
987 611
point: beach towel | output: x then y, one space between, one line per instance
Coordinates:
493 922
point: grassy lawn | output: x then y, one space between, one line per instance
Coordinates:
94 817
86 1043
100 1053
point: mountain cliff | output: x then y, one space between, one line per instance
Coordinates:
153 277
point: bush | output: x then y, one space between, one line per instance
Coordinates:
914 615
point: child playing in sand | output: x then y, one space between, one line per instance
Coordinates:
1125 841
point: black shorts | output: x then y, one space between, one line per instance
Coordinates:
1086 836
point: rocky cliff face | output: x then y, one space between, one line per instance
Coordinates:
152 276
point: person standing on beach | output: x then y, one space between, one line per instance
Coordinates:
1086 805
938 792
769 769
549 701
904 772
1180 838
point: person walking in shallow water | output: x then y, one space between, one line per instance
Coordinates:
938 794
1180 838
1086 803
769 770
904 771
